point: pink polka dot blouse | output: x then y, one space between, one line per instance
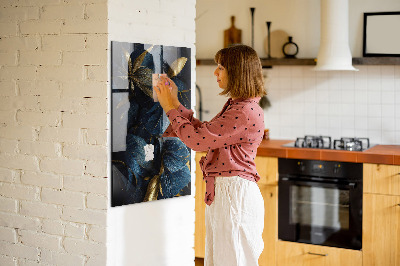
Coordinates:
231 139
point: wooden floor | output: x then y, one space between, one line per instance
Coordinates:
199 262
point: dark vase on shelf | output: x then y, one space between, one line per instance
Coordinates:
290 49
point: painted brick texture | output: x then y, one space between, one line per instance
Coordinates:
53 132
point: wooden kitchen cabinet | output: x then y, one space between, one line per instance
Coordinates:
298 254
270 233
381 179
200 207
381 230
381 215
267 168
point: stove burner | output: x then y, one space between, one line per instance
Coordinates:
351 144
308 141
324 142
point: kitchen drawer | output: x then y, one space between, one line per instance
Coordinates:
381 179
298 254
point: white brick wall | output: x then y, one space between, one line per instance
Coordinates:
53 122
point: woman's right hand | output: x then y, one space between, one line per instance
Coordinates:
174 91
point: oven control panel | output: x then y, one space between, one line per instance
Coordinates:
330 169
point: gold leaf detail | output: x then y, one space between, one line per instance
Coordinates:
153 189
140 58
176 67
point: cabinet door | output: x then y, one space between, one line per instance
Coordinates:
381 179
381 230
200 206
297 254
267 168
270 233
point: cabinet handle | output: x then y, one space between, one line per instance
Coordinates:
398 204
318 254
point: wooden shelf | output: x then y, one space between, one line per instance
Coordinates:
376 61
312 61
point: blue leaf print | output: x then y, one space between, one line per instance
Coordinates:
176 171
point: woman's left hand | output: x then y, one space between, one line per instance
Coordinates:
163 91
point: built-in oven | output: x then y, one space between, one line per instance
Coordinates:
320 202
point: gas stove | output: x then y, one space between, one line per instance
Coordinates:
325 142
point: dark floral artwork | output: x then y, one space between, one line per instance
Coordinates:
145 165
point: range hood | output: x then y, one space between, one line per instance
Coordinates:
334 51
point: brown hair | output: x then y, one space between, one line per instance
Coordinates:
245 78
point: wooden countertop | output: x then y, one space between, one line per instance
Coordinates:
379 154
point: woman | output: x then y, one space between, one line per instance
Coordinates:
235 207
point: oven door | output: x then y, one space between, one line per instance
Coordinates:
321 212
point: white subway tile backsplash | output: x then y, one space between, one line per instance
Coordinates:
335 122
347 77
297 97
297 83
374 84
388 84
322 109
284 72
308 72
285 132
374 70
374 111
387 72
397 71
360 133
348 133
322 121
347 110
310 95
361 123
347 122
389 136
322 84
322 95
388 97
338 104
335 95
388 110
397 96
361 110
348 96
297 72
286 120
374 97
397 110
360 97
374 123
388 124
310 109
284 83
375 136
334 80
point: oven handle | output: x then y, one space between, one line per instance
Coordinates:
297 181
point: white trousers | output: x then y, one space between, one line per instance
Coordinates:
234 223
